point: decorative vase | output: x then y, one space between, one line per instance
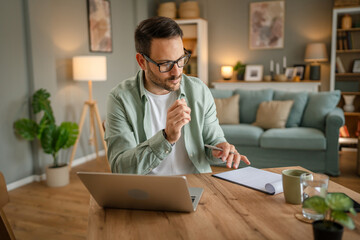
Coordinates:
57 176
349 103
189 9
327 230
346 22
167 9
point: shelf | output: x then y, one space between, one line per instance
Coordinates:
352 114
348 140
347 74
350 93
348 51
348 30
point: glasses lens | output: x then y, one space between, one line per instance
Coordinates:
166 67
183 61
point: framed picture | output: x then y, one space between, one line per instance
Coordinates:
267 25
356 66
300 70
254 72
290 73
99 25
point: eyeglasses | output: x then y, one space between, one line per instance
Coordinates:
167 66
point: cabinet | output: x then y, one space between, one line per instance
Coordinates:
195 39
345 50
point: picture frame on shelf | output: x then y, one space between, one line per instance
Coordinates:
356 66
300 70
99 22
254 72
267 25
290 73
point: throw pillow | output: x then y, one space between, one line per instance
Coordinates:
319 105
250 101
227 109
297 110
273 114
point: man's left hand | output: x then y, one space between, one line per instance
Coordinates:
229 155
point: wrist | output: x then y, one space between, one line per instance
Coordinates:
166 137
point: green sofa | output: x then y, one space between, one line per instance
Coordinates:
310 138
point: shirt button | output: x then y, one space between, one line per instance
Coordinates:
167 152
191 155
150 169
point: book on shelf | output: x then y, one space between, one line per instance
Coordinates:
343 132
339 65
340 45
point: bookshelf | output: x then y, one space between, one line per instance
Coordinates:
195 39
345 49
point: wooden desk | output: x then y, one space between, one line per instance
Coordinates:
225 211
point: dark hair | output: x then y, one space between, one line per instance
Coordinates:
156 27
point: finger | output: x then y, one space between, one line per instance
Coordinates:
237 157
217 154
229 160
226 150
245 159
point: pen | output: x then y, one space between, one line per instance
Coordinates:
216 148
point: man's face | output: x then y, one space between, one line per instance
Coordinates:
163 50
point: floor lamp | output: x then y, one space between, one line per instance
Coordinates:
90 68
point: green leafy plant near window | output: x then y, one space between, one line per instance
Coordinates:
334 207
52 137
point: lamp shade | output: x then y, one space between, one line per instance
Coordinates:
89 68
226 72
316 52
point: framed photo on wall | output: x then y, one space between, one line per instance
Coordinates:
254 72
99 25
267 25
300 70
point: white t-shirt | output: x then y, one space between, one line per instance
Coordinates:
177 162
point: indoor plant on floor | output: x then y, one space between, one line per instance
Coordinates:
334 207
52 137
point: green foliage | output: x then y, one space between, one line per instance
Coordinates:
334 207
53 138
239 67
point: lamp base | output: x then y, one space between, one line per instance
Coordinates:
315 72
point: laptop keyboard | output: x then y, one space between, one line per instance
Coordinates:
193 198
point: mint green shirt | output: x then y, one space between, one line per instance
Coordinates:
131 146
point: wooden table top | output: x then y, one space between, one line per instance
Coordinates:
225 211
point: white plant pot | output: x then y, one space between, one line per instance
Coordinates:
349 103
57 177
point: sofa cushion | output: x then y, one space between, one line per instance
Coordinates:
297 110
273 114
250 101
318 106
221 93
294 138
227 109
243 134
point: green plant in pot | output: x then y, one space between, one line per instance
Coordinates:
52 137
334 207
240 69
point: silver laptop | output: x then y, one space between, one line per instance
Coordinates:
145 192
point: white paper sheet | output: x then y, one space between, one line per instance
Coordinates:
258 179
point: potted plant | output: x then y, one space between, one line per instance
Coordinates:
334 207
52 137
240 69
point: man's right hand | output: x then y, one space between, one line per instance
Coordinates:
177 116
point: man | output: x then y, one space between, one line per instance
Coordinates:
159 120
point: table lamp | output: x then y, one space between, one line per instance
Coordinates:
89 68
226 72
315 53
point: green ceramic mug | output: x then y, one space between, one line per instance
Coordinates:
291 185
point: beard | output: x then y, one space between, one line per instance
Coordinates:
164 83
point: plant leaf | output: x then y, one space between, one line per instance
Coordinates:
62 136
41 102
353 212
47 139
73 131
343 218
26 128
339 202
316 203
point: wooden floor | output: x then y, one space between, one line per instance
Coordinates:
38 212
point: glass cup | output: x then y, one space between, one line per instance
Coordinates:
315 184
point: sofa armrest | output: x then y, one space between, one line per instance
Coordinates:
334 120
